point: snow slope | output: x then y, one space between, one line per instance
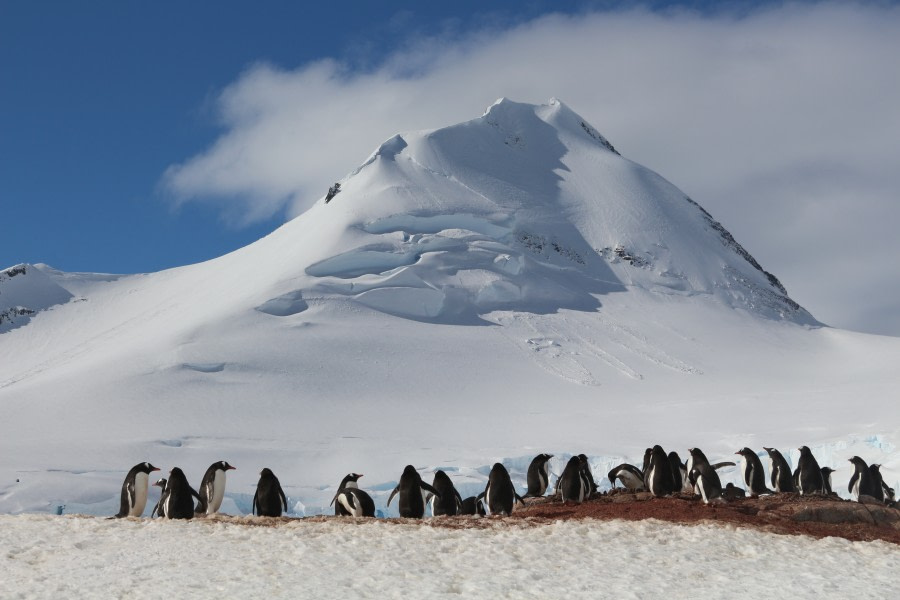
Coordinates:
65 557
487 291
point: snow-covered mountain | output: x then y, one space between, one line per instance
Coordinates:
487 291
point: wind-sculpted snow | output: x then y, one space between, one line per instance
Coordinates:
77 557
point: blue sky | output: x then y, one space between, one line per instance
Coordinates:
119 121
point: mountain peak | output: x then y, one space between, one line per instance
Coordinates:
527 208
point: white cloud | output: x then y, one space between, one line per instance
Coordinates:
782 123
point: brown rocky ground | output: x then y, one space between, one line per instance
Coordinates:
789 514
817 516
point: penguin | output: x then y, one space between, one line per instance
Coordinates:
646 464
572 485
350 481
158 509
269 498
472 506
499 495
450 501
695 458
355 502
887 492
704 477
780 472
134 490
588 476
538 476
179 502
809 474
658 478
753 473
732 492
212 488
826 479
630 476
861 482
412 489
679 472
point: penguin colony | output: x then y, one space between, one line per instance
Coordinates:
661 474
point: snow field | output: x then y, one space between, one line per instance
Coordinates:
45 556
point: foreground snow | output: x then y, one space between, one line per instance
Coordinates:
48 556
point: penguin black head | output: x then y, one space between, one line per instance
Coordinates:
745 451
223 465
266 472
410 471
875 468
439 475
160 483
805 451
545 457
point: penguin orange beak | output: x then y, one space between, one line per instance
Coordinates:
230 468
154 469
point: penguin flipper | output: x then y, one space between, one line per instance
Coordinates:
429 488
283 497
722 465
391 497
253 510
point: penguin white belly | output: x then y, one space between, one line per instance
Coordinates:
141 485
218 493
355 511
630 480
702 485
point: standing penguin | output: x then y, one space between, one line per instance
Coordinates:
780 472
658 478
861 482
158 509
809 473
212 488
630 476
826 480
134 490
450 502
572 485
887 492
704 477
412 489
679 472
753 473
269 498
538 476
500 496
179 503
351 480
587 475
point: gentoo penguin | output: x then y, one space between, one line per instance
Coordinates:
450 502
499 494
704 478
412 489
679 472
350 481
269 499
212 488
732 492
572 486
658 478
695 457
754 475
134 490
538 476
179 502
887 492
355 502
809 473
861 482
780 472
472 506
588 476
826 479
646 464
158 509
630 476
